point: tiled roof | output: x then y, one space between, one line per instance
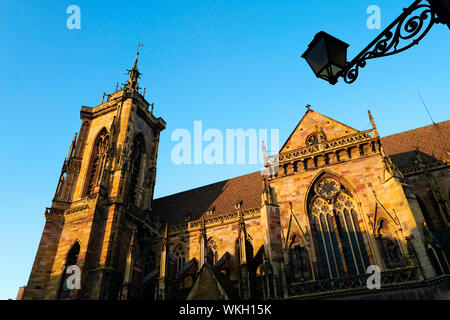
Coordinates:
220 197
432 142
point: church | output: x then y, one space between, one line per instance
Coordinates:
334 203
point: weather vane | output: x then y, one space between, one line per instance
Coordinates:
139 45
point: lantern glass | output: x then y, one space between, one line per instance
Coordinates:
327 56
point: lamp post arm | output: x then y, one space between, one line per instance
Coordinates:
403 33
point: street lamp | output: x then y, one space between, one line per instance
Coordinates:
327 55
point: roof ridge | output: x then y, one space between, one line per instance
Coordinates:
430 125
304 116
206 185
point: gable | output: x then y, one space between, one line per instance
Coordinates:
330 128
207 286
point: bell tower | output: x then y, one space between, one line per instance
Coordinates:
101 210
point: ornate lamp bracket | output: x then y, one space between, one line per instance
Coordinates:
403 33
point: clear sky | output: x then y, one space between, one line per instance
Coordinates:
229 63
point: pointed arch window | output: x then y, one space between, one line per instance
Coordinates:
336 229
425 213
180 255
438 259
314 138
72 259
355 250
212 245
137 153
98 158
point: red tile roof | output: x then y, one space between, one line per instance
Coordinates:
221 197
432 142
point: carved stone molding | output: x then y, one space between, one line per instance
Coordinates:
215 221
333 145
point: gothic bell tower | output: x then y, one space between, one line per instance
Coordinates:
101 210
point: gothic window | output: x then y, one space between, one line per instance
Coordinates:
440 205
97 161
389 246
335 226
212 245
137 153
438 259
72 259
314 138
180 255
354 249
327 188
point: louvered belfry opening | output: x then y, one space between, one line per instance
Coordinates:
135 166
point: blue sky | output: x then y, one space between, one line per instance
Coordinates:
231 64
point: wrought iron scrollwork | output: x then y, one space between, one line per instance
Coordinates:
410 27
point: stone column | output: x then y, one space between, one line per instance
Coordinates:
355 154
270 222
244 271
162 293
320 160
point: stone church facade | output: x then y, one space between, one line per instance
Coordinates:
332 203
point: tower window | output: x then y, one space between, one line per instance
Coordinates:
72 259
98 158
138 151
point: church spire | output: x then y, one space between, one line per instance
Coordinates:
134 74
372 122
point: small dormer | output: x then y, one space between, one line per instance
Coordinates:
238 205
210 211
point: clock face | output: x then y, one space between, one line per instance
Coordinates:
327 188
